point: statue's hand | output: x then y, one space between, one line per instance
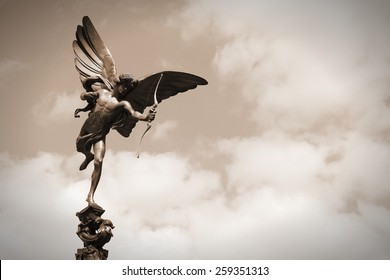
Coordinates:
92 96
76 113
152 113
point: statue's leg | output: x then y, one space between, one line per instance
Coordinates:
99 149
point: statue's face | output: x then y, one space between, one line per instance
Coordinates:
124 84
122 89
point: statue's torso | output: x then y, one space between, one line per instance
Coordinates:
104 114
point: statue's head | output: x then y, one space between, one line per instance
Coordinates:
124 84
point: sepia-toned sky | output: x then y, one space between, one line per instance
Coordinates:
285 154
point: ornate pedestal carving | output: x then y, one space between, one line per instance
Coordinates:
95 232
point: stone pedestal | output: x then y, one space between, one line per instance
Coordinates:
95 232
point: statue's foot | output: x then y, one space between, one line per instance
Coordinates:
93 204
85 163
90 199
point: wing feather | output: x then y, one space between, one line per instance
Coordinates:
86 71
92 57
87 48
84 58
100 49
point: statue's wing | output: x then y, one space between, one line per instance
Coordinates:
142 95
93 59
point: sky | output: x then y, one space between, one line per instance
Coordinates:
285 154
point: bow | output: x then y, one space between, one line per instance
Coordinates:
149 124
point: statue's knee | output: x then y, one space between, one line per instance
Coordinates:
98 162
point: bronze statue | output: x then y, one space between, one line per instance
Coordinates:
115 101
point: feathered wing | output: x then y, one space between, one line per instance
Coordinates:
142 96
93 59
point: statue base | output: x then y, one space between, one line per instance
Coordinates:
95 232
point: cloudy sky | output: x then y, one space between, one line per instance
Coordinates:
284 155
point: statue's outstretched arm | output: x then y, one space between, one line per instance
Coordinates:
135 114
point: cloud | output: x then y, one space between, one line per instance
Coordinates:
297 91
164 129
343 174
55 107
163 202
314 71
35 212
150 208
317 78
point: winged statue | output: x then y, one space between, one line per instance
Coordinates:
115 101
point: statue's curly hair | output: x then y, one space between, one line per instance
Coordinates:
126 78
